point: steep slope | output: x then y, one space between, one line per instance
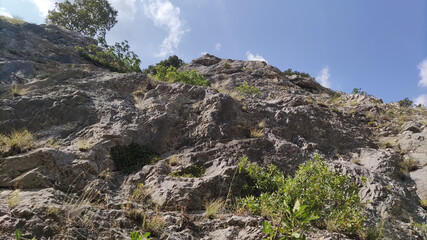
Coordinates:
67 187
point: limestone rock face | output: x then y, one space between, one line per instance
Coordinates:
66 186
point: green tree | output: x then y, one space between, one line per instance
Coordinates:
89 17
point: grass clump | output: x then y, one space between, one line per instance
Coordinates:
316 196
423 203
171 75
155 225
13 20
409 165
193 171
14 199
212 207
16 91
132 157
256 132
245 88
83 145
16 142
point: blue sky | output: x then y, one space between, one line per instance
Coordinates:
379 46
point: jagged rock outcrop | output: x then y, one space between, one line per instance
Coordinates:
78 112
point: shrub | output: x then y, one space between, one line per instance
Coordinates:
172 61
117 58
172 75
193 171
336 97
16 142
405 102
132 157
227 66
316 195
360 92
247 89
289 72
423 203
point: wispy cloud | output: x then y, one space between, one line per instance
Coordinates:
165 14
422 99
203 53
126 9
218 46
256 57
44 5
4 12
323 77
423 73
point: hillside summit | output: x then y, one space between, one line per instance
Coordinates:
66 184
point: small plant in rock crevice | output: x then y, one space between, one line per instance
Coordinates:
138 236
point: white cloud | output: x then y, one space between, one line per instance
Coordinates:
256 57
4 12
165 14
218 46
323 77
422 99
203 53
44 5
126 9
423 73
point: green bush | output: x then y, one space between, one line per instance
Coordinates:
405 102
315 195
172 61
170 74
247 89
117 58
289 72
132 157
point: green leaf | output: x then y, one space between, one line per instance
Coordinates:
296 235
296 206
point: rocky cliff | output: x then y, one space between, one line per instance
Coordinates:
66 185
